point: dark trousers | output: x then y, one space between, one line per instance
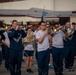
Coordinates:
69 52
43 59
3 52
75 50
57 54
6 51
75 47
0 57
15 57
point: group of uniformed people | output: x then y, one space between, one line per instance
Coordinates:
15 43
12 48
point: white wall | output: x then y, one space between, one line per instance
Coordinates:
58 5
73 19
8 20
65 5
27 4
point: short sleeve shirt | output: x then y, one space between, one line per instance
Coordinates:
44 45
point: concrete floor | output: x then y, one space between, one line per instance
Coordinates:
3 71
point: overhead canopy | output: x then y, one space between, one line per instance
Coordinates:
36 12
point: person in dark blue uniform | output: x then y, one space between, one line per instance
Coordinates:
5 46
75 42
43 51
58 49
23 33
2 31
15 54
2 37
74 26
69 50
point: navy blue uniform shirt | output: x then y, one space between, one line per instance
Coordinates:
15 37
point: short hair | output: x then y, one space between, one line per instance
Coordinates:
48 21
73 23
67 22
28 28
56 24
14 21
1 23
41 22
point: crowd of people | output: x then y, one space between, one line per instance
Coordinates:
47 42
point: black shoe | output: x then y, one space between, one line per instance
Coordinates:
0 64
57 73
7 67
27 70
60 73
30 71
71 69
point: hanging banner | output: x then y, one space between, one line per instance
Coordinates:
44 16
